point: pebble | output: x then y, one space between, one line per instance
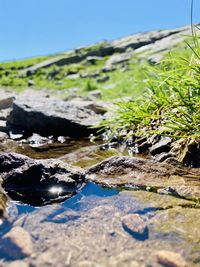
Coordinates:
135 225
170 259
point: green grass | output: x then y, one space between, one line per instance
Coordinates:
170 102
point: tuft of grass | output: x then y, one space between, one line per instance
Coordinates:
170 102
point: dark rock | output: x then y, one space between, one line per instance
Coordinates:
103 79
38 182
163 145
31 83
16 244
53 117
52 75
93 60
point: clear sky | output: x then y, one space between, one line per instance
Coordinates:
40 27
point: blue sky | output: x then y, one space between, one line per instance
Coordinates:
40 27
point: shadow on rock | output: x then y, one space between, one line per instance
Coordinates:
39 182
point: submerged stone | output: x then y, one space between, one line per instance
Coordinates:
170 259
135 226
16 244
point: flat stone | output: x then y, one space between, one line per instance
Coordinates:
145 174
16 244
170 259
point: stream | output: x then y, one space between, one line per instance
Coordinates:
100 226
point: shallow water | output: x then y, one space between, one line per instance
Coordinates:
87 229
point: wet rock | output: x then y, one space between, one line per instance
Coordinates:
135 226
16 244
38 182
170 259
144 174
36 140
53 117
163 145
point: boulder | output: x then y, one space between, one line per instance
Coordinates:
39 182
53 117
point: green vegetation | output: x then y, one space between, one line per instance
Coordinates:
170 102
162 99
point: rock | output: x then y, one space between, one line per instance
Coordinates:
96 94
170 259
3 137
31 83
93 60
6 103
90 75
103 79
38 182
5 113
141 40
163 145
16 244
136 226
3 126
36 140
145 174
117 59
53 117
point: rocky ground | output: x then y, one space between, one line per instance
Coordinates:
109 207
